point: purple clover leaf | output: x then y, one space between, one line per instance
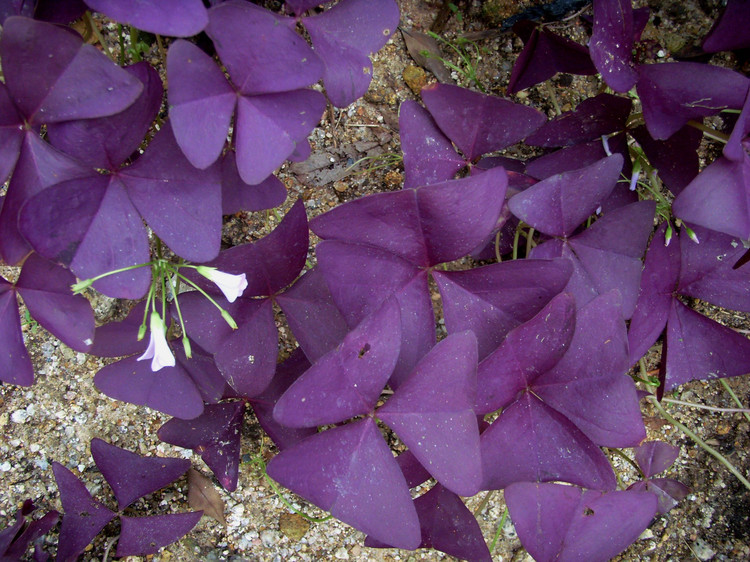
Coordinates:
654 457
728 33
175 18
237 196
16 538
566 523
612 41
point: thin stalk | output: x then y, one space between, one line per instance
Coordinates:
702 444
493 544
737 401
530 241
484 502
704 407
498 257
627 459
709 132
227 317
86 283
99 37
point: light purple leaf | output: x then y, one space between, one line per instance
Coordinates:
45 288
270 127
432 412
107 142
589 385
84 516
669 491
478 123
132 476
170 390
53 76
544 55
601 115
140 536
175 18
15 362
494 299
532 442
316 322
611 43
238 196
672 93
201 103
528 351
429 157
564 523
347 381
351 472
117 339
655 456
422 225
729 32
261 54
215 436
559 204
343 37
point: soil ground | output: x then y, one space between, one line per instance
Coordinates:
56 418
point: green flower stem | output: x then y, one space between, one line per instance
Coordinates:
79 287
709 132
224 314
500 525
626 458
149 301
702 444
92 24
704 407
737 401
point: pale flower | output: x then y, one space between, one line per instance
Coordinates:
231 285
158 348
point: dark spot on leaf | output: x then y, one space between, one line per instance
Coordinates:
588 512
365 349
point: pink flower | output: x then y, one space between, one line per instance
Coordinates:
231 285
158 348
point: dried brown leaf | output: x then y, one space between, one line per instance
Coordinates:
202 494
418 43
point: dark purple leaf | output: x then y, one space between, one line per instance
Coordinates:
655 456
299 7
528 351
343 37
201 103
16 539
84 516
601 115
237 196
202 369
350 471
734 149
429 157
347 381
673 93
175 18
494 299
214 435
131 476
53 76
532 442
564 523
432 413
668 491
676 158
422 225
45 288
286 373
107 142
611 43
281 60
729 32
59 11
478 123
16 8
560 203
140 536
11 133
313 317
447 526
544 55
117 339
717 198
170 390
15 362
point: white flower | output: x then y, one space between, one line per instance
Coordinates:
231 285
158 348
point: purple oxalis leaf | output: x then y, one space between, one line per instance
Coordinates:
132 476
16 539
11 133
729 31
433 413
612 42
215 436
175 18
447 526
675 92
544 55
531 441
655 456
560 203
564 523
494 299
343 37
299 7
83 516
117 339
478 123
15 362
347 381
676 158
668 490
734 150
350 471
141 536
237 196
